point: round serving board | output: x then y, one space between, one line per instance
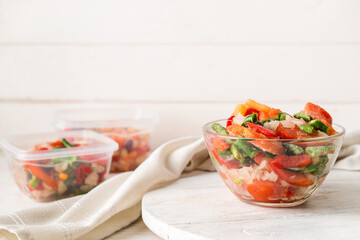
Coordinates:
200 206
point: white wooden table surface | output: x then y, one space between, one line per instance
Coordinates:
201 207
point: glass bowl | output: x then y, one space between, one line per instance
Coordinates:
272 172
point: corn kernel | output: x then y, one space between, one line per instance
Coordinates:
63 176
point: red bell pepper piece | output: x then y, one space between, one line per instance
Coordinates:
229 121
42 175
299 161
267 132
217 157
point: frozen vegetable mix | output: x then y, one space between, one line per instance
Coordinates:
73 164
269 156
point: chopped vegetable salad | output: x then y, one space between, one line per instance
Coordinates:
267 155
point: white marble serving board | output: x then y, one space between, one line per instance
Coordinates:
199 206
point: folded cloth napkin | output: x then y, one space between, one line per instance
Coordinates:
349 156
116 203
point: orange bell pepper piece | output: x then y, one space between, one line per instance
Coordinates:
258 106
240 108
237 129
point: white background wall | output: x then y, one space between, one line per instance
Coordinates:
189 61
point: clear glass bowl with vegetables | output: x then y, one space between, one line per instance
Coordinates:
52 166
271 158
130 127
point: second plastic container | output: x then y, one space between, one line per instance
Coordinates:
130 127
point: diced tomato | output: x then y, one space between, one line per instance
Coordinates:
229 121
259 157
318 112
267 132
299 161
220 160
291 177
233 164
219 144
261 190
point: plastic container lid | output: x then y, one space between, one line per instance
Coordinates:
19 146
106 117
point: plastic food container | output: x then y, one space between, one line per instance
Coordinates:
131 128
256 176
52 166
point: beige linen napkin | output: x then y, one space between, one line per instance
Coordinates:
116 203
349 157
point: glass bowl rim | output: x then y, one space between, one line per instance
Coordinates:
208 130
